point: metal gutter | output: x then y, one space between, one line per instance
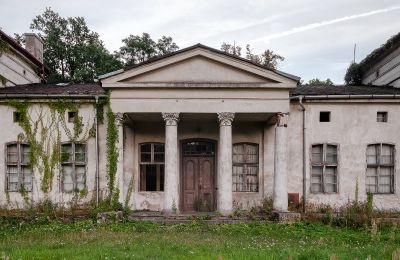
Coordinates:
304 155
97 151
372 96
50 96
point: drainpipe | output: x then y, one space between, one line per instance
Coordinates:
97 152
304 154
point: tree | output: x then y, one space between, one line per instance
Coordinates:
231 48
268 58
353 74
72 51
318 82
138 48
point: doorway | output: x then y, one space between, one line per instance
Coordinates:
198 175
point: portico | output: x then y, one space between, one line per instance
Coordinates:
212 137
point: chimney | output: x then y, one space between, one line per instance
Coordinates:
34 45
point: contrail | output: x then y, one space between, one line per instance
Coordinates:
321 24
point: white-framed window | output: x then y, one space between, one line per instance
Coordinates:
245 167
18 169
73 164
152 156
380 168
324 164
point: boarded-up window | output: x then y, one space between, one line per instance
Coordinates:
152 167
245 167
73 163
324 165
380 168
18 168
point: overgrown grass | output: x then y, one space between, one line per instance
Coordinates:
143 240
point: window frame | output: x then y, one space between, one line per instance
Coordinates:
18 164
329 116
378 166
324 164
245 165
73 164
385 117
158 166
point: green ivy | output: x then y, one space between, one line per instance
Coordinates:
112 152
45 147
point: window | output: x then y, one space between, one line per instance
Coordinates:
380 168
71 116
324 163
18 169
381 117
17 116
324 116
73 163
152 167
245 167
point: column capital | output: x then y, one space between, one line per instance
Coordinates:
119 118
170 119
281 119
225 118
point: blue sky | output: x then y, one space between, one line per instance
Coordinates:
315 36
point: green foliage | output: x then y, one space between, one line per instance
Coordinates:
112 152
353 74
232 49
318 82
72 51
3 46
268 58
138 48
3 80
195 240
43 133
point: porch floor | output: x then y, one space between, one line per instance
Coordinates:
187 217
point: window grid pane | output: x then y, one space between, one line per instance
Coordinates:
73 163
380 168
324 168
245 167
18 173
152 157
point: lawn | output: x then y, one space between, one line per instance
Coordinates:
144 240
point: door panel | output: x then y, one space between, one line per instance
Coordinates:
190 169
198 183
206 187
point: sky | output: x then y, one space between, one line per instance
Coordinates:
316 37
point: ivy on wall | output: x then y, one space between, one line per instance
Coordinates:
43 125
43 132
112 153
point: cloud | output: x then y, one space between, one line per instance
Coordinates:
311 26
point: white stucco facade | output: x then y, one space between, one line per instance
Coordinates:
235 116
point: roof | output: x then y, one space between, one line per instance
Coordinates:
310 90
378 54
199 45
39 89
23 51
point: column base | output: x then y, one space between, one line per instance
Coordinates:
285 217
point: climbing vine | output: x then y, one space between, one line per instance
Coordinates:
42 129
112 152
43 125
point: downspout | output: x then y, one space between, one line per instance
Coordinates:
97 152
304 153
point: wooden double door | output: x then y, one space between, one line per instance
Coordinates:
198 176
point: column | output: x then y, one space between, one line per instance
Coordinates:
119 183
171 174
224 193
280 174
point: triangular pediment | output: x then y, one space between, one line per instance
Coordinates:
198 64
